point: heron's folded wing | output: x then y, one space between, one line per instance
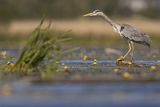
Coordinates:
134 34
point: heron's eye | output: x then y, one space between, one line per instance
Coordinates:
121 29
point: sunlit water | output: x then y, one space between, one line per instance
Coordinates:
28 93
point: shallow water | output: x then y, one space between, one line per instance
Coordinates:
28 94
86 85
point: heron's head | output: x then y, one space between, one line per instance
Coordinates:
95 13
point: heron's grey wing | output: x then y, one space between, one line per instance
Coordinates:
134 34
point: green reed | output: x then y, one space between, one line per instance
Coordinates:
43 45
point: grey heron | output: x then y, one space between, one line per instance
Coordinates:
126 31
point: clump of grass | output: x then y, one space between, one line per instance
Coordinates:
42 44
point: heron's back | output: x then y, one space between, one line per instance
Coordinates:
133 34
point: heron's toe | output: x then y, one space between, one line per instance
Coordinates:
120 61
121 58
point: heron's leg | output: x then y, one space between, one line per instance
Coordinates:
132 47
129 51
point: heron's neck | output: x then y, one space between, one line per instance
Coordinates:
105 17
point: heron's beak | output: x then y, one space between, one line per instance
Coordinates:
89 14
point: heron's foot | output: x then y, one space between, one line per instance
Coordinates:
120 60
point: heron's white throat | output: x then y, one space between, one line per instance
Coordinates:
117 28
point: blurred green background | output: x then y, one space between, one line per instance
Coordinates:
19 17
62 9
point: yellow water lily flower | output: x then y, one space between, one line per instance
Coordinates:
10 64
153 67
57 62
85 58
126 75
116 70
4 54
94 62
66 67
130 63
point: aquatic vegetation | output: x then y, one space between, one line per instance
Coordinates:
43 45
44 57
